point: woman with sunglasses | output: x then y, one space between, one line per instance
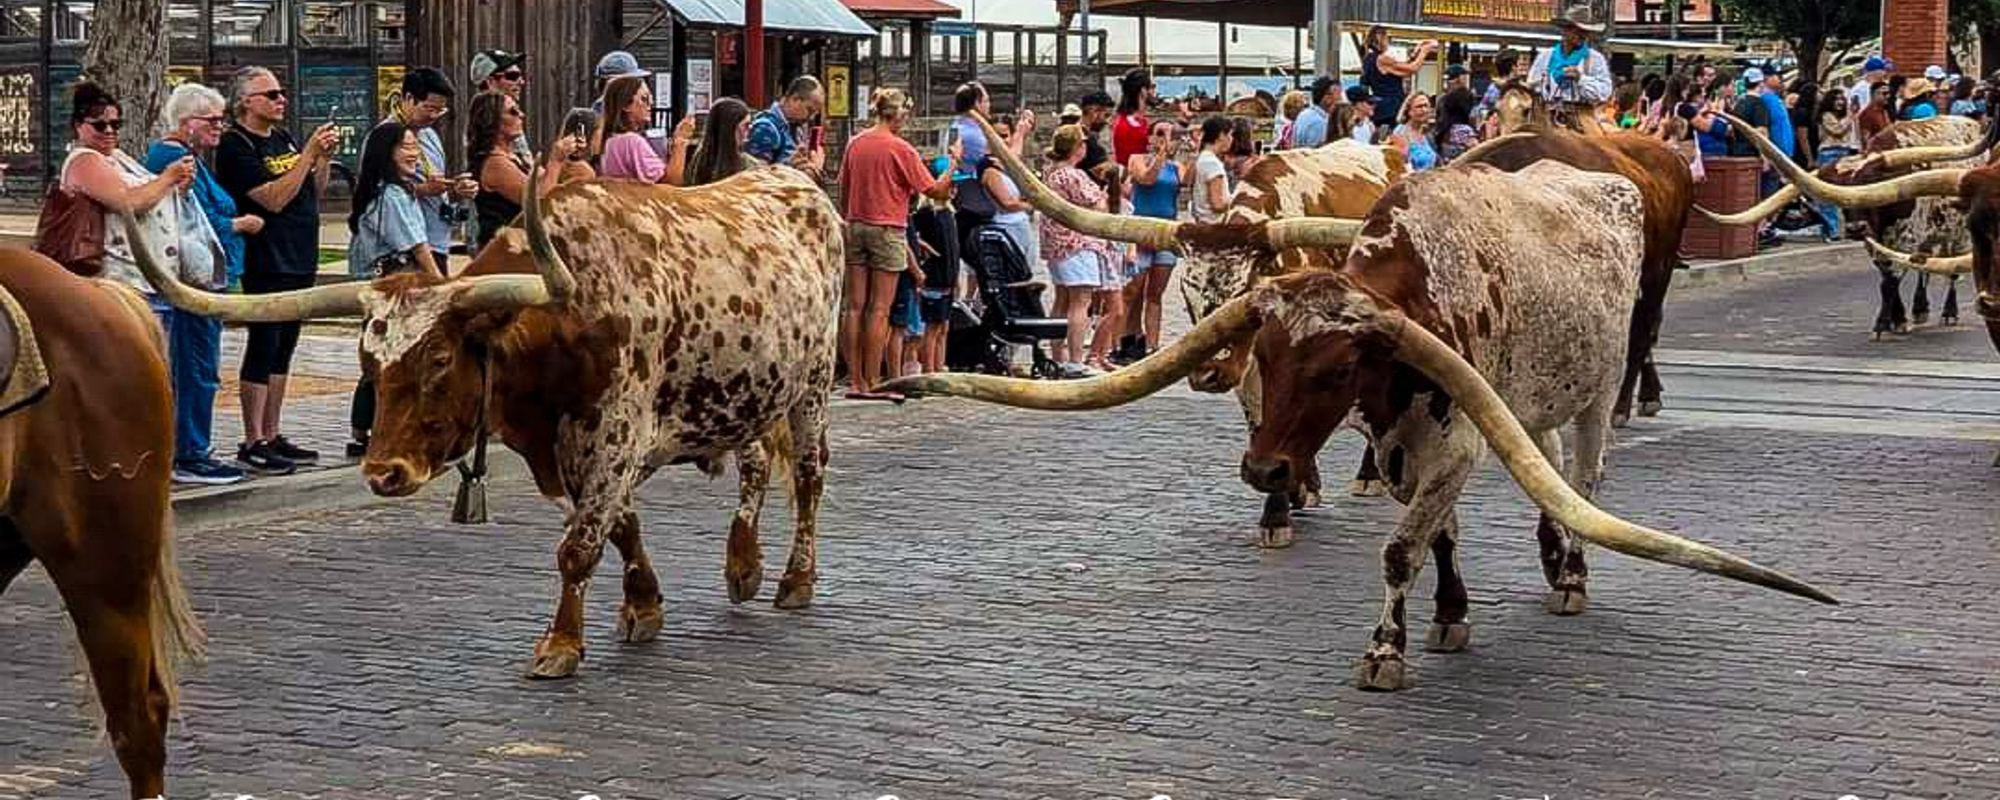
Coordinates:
503 176
97 169
195 114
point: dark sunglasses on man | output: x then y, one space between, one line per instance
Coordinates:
106 125
273 95
512 74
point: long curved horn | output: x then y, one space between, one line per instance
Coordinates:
1937 182
1149 375
553 282
1480 150
338 300
1157 234
1419 348
1935 265
1771 205
1312 232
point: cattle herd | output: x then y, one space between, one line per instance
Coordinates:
1489 304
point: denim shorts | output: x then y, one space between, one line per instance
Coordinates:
1152 259
1085 268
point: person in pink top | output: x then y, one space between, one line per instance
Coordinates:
620 144
879 176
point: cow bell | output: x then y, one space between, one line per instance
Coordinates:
471 506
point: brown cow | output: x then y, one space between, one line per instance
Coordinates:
1341 179
1446 315
698 323
85 468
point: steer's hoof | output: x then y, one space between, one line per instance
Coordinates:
1276 538
1303 499
1620 420
1948 320
744 588
637 625
555 658
1361 488
794 594
1916 319
1564 602
1382 674
1449 637
1650 408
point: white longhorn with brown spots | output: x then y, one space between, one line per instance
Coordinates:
696 323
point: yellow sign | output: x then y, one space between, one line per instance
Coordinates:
179 75
1538 11
838 92
388 82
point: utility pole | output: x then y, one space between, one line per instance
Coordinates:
753 52
1084 6
1326 39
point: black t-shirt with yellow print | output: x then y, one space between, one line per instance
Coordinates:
289 243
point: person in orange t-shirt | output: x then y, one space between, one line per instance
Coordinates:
879 176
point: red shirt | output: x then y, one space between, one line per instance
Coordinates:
879 176
1128 137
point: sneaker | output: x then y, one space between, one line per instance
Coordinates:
284 449
206 471
259 456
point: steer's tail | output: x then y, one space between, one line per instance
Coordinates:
177 637
782 449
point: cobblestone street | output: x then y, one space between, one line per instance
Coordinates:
1026 605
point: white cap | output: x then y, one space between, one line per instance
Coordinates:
1934 72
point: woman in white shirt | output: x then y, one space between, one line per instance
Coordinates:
1211 175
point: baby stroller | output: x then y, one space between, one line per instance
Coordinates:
1013 315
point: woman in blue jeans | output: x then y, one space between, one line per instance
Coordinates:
195 116
1838 139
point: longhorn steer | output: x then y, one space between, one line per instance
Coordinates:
1472 291
1342 179
698 322
1975 189
86 460
1908 235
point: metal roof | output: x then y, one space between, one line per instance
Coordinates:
825 17
920 8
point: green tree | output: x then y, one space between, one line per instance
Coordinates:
127 54
1810 27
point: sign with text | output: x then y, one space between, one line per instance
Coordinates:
1499 13
344 94
20 100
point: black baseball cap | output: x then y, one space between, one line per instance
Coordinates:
1356 95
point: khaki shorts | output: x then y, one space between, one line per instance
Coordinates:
877 247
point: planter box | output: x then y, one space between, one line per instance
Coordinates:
1731 187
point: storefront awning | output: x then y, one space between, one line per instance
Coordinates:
1470 34
823 17
1276 13
903 8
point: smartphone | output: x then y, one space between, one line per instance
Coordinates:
818 137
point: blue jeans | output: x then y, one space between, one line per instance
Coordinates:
1829 214
194 351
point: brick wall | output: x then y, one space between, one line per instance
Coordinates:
1913 34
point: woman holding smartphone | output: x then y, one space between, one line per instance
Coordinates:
503 176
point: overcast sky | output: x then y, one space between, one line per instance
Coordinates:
1164 38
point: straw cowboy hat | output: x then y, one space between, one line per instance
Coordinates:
1917 87
1578 17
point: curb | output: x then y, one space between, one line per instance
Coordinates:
324 488
1792 256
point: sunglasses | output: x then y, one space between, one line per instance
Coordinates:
273 95
217 119
512 74
106 125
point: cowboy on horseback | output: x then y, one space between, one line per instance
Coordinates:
1573 77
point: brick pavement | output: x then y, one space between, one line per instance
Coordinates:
1038 605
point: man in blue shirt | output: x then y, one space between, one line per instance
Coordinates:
1310 130
774 133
